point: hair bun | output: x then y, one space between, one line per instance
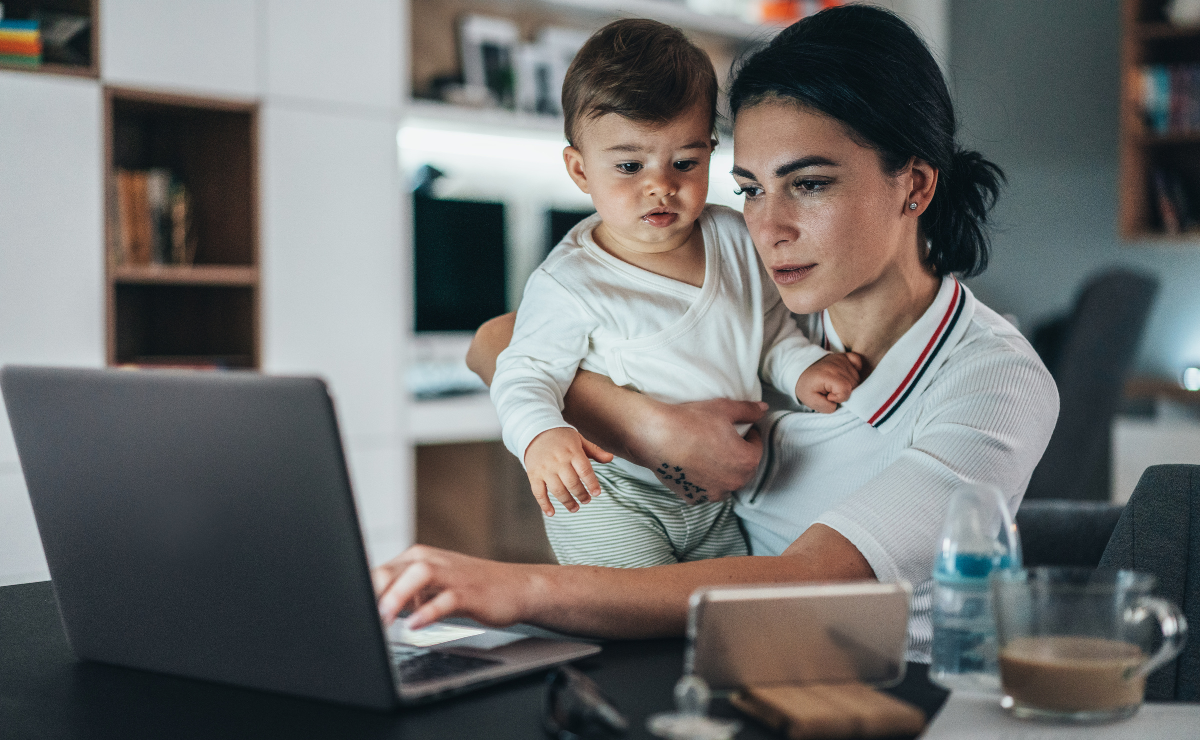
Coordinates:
956 223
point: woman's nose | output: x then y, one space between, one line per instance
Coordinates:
774 222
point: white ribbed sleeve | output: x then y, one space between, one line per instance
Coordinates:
987 420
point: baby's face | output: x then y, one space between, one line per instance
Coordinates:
648 183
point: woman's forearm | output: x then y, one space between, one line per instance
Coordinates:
584 600
616 418
653 602
489 341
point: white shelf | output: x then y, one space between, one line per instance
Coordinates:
494 120
673 13
469 418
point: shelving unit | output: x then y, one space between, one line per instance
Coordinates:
22 10
1147 38
435 51
204 314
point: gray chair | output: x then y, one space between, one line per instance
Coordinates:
1058 532
1089 354
1159 533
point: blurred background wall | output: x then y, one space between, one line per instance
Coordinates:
1037 87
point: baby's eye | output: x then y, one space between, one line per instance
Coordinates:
630 168
684 165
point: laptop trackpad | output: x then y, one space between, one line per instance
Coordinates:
451 635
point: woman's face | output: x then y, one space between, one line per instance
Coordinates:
826 219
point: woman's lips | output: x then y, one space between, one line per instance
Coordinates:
790 274
660 218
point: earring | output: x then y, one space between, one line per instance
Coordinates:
912 206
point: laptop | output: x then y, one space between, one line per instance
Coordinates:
202 524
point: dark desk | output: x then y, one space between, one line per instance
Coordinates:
45 692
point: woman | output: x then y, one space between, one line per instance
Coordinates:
862 208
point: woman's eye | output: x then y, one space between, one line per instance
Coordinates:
750 191
630 168
810 187
685 164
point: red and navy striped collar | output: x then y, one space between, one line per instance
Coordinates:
912 360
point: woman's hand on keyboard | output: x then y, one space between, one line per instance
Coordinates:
435 584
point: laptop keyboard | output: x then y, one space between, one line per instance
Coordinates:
414 665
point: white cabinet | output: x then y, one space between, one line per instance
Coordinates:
207 47
347 53
1171 439
51 261
336 301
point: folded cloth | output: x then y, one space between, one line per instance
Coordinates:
840 710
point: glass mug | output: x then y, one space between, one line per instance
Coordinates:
1075 644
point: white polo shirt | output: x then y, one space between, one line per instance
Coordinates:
962 396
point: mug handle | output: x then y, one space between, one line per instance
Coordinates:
1174 632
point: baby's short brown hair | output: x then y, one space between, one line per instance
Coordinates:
640 69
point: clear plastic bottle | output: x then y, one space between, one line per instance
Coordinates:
979 537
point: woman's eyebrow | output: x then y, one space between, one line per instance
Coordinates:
815 160
784 170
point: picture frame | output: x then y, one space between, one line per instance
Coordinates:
488 47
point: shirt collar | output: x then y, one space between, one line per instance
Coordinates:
907 367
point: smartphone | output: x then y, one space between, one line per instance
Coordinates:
805 633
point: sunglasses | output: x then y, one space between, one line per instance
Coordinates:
575 708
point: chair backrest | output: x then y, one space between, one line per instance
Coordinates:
1072 533
1096 350
1159 533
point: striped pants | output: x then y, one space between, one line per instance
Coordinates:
634 524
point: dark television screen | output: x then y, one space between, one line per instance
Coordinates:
560 222
459 272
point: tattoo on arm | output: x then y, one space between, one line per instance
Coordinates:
674 474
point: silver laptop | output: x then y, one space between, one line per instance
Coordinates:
202 524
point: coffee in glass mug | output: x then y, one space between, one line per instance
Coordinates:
1075 644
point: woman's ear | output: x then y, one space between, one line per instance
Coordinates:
573 159
923 179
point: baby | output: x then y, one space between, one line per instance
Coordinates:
660 292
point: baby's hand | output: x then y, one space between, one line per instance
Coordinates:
557 464
828 381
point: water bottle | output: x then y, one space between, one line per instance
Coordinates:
979 537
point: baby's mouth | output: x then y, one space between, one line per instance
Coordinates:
660 217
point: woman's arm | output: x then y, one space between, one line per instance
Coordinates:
489 341
699 437
603 602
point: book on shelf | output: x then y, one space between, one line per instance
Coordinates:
1173 201
1169 97
20 43
153 216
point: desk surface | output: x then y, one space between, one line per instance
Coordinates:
45 692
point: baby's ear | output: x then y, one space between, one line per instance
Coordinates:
573 159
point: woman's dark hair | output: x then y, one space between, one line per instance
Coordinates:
865 67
